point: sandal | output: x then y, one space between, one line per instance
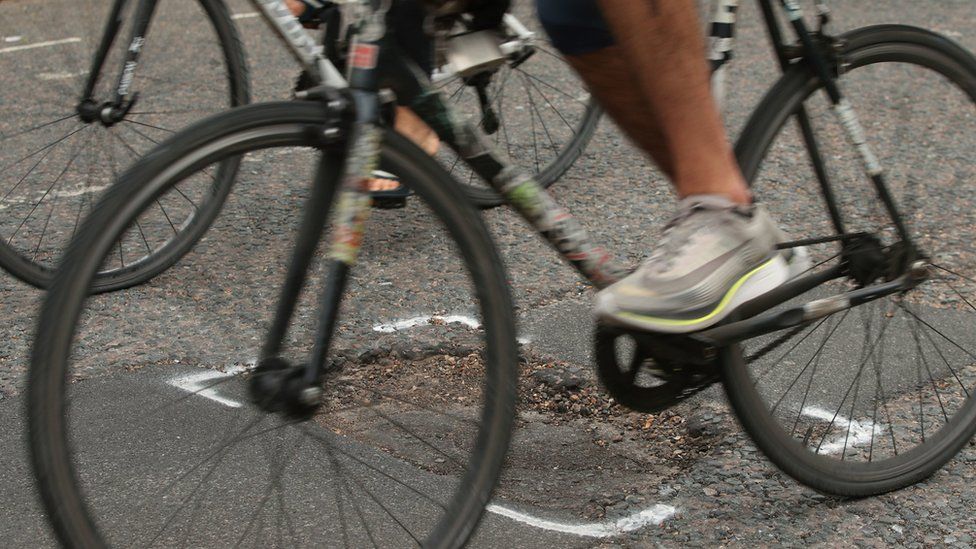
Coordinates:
390 199
311 18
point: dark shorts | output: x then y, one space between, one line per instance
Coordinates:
574 26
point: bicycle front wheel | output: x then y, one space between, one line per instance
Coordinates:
877 397
56 157
141 428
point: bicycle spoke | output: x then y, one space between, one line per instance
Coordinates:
276 471
46 149
548 102
535 109
815 361
321 440
905 308
385 509
54 204
553 88
220 453
413 433
37 127
141 134
403 401
945 360
535 145
336 466
928 370
777 343
48 191
880 389
160 128
884 327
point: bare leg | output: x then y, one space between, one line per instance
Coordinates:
603 72
413 128
670 111
407 124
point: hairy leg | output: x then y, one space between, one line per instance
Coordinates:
604 71
407 124
655 83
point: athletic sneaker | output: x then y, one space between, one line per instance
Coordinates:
714 255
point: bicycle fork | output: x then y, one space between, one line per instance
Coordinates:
276 385
110 112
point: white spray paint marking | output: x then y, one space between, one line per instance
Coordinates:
49 43
245 15
860 432
77 191
201 383
398 325
80 192
11 39
60 75
404 324
654 515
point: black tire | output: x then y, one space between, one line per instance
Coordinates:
235 133
752 386
139 130
545 121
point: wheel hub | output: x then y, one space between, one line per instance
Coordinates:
277 386
107 113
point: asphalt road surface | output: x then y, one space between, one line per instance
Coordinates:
581 473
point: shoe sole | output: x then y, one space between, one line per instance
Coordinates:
768 276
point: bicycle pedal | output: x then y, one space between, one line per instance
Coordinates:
389 203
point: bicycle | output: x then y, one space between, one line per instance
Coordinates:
842 407
70 121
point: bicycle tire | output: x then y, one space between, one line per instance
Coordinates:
863 47
19 262
235 133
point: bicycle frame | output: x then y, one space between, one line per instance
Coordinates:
557 225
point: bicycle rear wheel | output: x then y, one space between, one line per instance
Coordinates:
880 396
545 115
53 163
416 418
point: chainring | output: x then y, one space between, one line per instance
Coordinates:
661 370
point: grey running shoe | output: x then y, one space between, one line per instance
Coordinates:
714 255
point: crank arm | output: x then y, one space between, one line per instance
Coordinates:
814 310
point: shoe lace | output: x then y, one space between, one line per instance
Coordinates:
677 233
673 239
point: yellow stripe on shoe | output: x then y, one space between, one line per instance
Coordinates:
674 325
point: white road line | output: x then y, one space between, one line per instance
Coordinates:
653 515
855 432
245 15
201 382
60 75
12 49
398 325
